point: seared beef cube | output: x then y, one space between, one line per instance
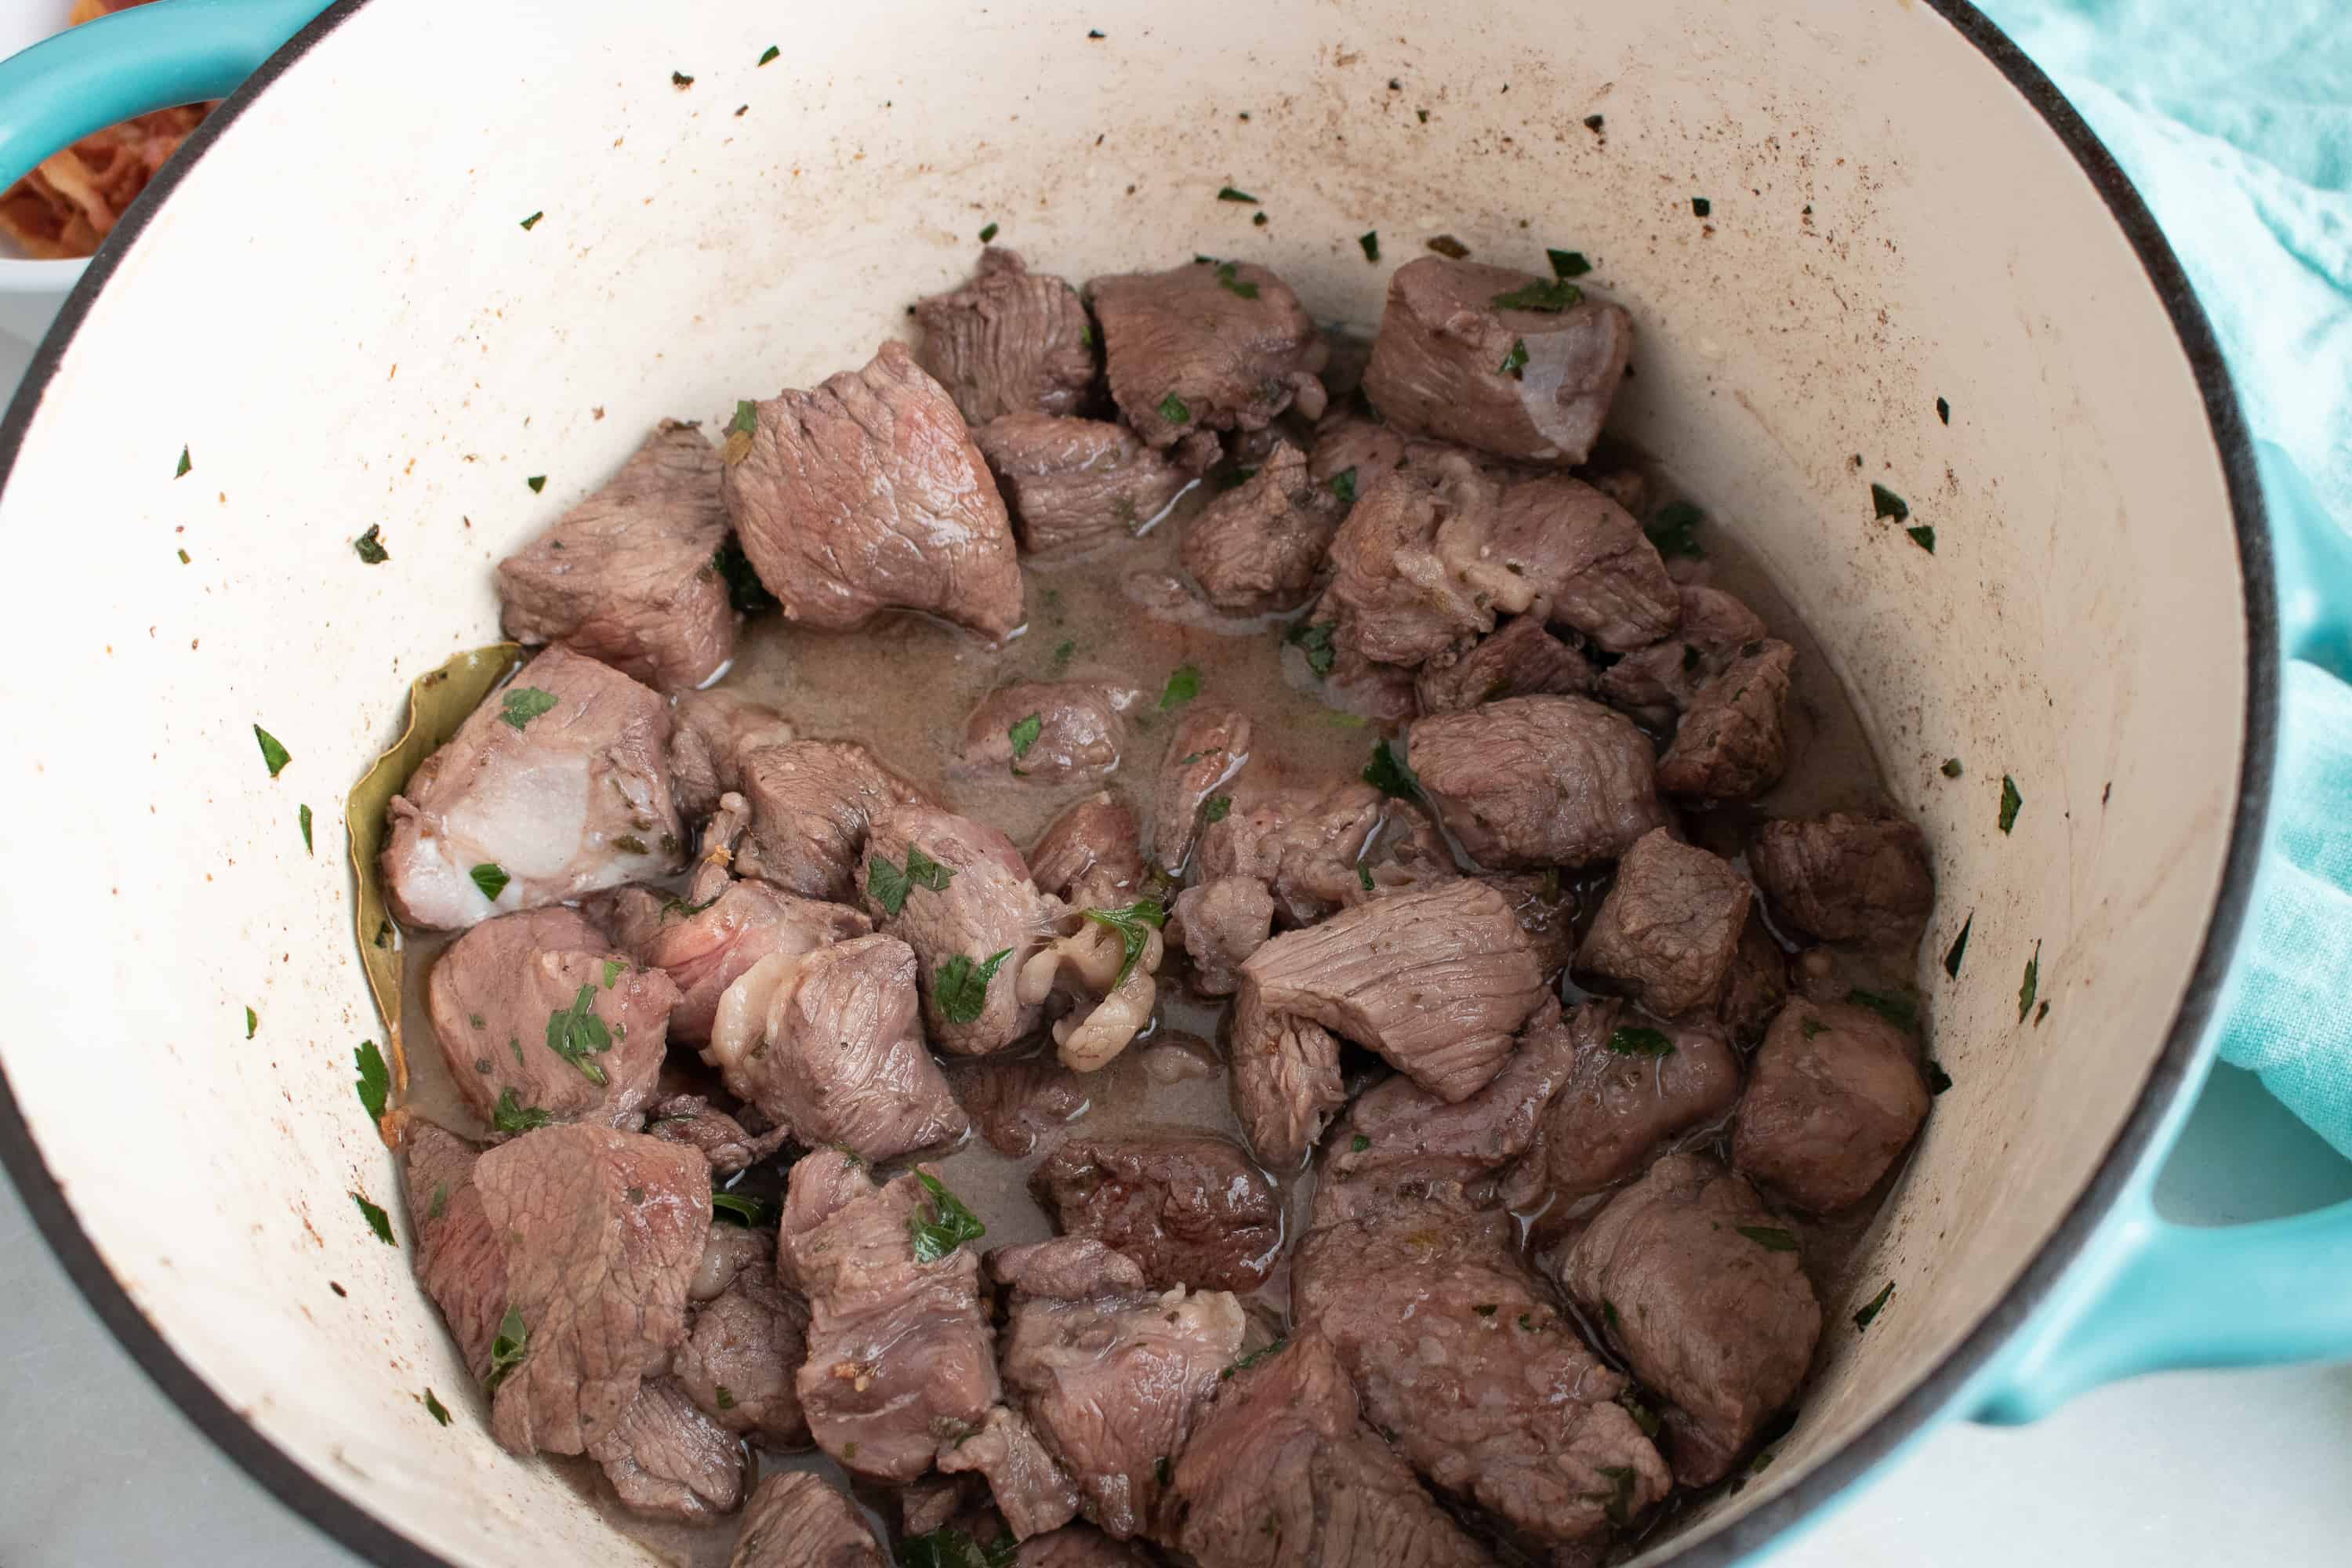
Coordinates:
1091 855
1209 746
715 731
1454 361
1546 912
1220 923
1009 341
1408 583
1029 1489
827 1044
689 1119
797 1518
866 494
1733 742
1020 1107
1835 1096
1538 781
1701 1290
1203 347
1757 982
1346 442
1282 1472
1285 1080
1380 694
1667 930
1188 1207
1047 731
1435 980
1398 1131
1846 878
628 575
554 787
669 1460
1631 1085
1258 547
1112 1374
1519 660
900 1355
1405 852
585 1239
1302 843
742 1347
968 908
1075 483
1464 1363
538 1012
707 939
1079 1546
1657 679
1562 544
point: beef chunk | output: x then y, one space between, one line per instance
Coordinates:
1669 927
868 494
1285 1080
1047 731
1529 385
573 799
1703 1292
1209 746
1030 1490
900 1354
1569 549
1346 442
1657 679
1538 781
1846 878
1112 1376
1836 1095
586 1236
1520 659
1258 547
1397 1129
1076 483
1733 742
715 731
989 915
1220 923
1757 982
536 1011
1009 341
1434 979
1020 1106
1189 1208
1283 1473
667 1460
690 1120
1401 592
1546 912
742 1347
1072 1268
627 576
1456 1347
1091 855
797 1518
706 943
1079 1547
1202 347
1624 1096
1407 851
827 1044
1301 842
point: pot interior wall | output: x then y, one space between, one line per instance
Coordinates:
341 317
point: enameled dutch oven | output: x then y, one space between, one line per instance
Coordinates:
1834 223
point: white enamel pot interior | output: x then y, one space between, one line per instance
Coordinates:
339 315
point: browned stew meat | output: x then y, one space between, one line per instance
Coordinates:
1231 973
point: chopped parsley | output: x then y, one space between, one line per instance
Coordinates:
537 483
988 232
507 1350
435 1409
1643 1416
491 877
369 545
1884 504
2030 983
1952 767
1556 295
252 1023
1161 1470
1618 1502
1701 206
1608 1314
1812 1026
685 910
1938 1080
742 1208
511 1115
532 220
1364 876
1943 411
1273 1347
1371 241
1173 409
960 986
577 1034
1024 734
185 559
744 589
1861 1319
680 80
1219 806
377 1220
374 1080
1062 654
181 472
951 1225
948 1547
1183 684
1486 1310
614 969
1388 774
1770 1237
1314 638
1358 1143
1675 531
1229 281
303 816
1445 245
1515 364
1638 1042
273 755
521 704
889 886
770 52
1953 953
1230 194
1343 484
2010 801
1138 920
723 1396
1568 263
1901 1011
440 1201
1924 537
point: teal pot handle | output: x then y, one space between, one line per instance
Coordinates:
2151 1295
134 62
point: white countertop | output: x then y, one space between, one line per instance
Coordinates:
2187 1470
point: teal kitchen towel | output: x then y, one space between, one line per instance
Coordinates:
2236 123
